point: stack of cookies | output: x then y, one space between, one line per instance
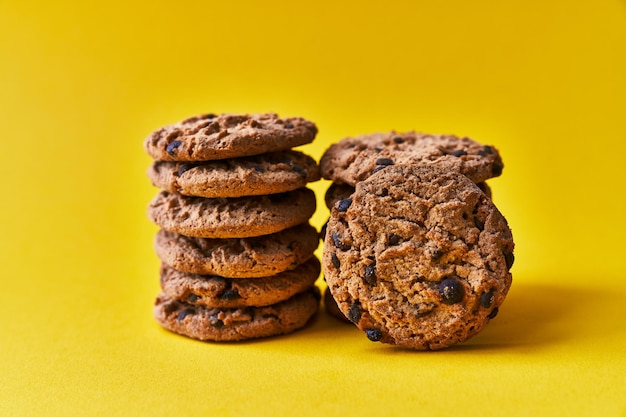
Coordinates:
235 242
415 253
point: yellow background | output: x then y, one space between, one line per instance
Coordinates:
82 84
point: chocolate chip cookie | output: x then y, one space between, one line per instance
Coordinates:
235 324
231 217
251 257
209 137
354 159
214 291
269 173
418 257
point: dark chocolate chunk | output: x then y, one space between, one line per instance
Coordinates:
354 313
493 313
338 243
184 313
215 321
378 168
370 274
289 126
229 295
398 139
335 261
192 298
344 204
451 290
185 167
298 169
496 170
488 149
384 161
394 239
436 255
486 299
374 334
172 146
458 153
258 168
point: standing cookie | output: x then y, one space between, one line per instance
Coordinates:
209 137
354 159
418 257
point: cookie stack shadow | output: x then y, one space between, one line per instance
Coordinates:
235 243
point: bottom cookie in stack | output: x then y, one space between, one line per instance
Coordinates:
222 309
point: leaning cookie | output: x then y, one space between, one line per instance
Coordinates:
418 257
231 217
236 324
269 173
354 159
209 137
214 291
251 257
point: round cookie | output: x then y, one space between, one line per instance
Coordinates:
269 173
236 324
251 257
354 159
214 291
418 257
231 217
209 137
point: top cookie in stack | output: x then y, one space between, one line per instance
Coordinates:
235 242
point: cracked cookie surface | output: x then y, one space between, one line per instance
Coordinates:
220 292
418 257
210 137
251 257
235 324
231 217
269 173
354 159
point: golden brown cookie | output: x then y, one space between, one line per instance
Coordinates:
418 257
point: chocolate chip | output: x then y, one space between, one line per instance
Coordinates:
394 239
230 295
377 149
451 290
374 334
509 259
172 146
458 153
215 321
185 167
335 261
258 168
181 316
398 139
488 149
384 161
192 298
384 192
493 313
338 243
486 299
354 313
378 168
289 126
370 274
298 169
436 255
344 205
209 116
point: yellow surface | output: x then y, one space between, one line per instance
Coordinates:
81 85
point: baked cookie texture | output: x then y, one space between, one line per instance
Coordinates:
251 257
236 324
210 137
418 256
231 217
235 242
221 292
270 173
354 159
